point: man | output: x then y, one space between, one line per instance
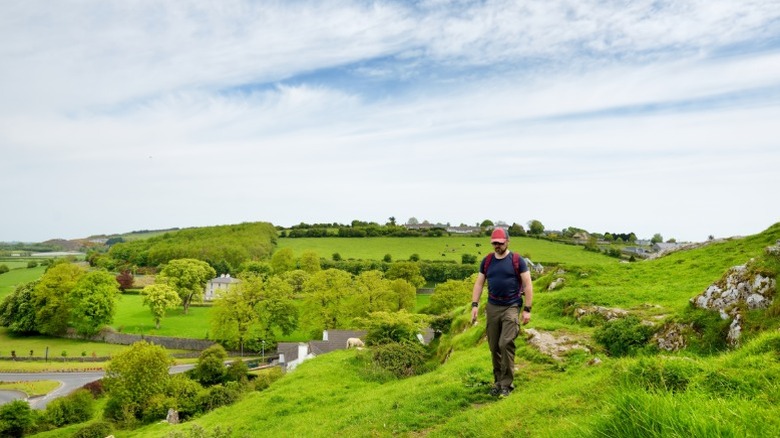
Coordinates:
507 284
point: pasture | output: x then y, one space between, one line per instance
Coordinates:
440 249
16 276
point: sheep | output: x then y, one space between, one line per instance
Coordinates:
354 342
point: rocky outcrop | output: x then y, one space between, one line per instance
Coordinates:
553 346
607 313
671 337
556 284
743 287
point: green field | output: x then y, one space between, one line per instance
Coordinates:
14 277
440 248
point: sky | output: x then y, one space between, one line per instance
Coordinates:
611 116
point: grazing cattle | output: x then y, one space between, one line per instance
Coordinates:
354 342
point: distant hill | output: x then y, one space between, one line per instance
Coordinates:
232 244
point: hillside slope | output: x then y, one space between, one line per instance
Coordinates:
689 393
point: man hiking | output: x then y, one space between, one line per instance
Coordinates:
509 282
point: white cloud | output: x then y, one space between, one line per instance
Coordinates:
641 117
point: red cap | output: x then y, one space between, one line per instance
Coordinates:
499 235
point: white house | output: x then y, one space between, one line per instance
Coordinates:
215 285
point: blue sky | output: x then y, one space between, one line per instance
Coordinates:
638 116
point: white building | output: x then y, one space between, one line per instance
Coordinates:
215 285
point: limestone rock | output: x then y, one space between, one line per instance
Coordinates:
608 313
551 345
671 337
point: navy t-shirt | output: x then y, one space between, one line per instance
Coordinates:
503 284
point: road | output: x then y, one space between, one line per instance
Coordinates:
69 382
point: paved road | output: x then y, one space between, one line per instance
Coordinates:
69 382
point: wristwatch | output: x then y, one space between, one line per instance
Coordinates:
527 309
474 304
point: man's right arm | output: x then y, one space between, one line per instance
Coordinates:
478 286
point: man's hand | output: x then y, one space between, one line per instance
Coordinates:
526 317
474 313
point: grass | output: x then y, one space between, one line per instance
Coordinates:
14 277
440 248
32 389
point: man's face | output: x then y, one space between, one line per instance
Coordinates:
499 247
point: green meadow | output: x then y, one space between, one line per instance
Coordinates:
439 248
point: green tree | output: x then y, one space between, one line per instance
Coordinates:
404 293
16 418
133 377
657 238
259 268
283 260
252 311
372 294
296 279
310 262
408 271
487 223
210 368
535 227
516 230
17 311
93 300
159 298
188 277
52 297
325 294
449 295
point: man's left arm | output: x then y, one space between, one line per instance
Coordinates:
528 293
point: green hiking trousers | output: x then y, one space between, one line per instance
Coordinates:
503 326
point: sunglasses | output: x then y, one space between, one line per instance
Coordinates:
497 243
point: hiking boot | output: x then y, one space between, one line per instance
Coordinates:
505 392
495 391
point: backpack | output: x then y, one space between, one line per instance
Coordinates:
515 264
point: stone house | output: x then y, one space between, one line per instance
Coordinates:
215 285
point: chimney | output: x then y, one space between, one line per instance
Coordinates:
303 350
324 335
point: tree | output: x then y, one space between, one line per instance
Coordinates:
252 311
391 221
324 296
449 295
259 268
283 260
412 221
487 223
310 262
404 293
125 280
516 230
93 300
135 376
657 238
17 311
408 271
52 302
535 227
188 277
210 368
387 258
159 298
16 418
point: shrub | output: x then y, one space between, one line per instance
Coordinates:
184 391
97 429
623 336
468 259
4 269
384 327
16 418
210 369
32 264
77 407
266 378
402 359
218 395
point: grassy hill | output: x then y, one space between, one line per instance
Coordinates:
713 393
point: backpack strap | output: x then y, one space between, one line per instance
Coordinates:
488 259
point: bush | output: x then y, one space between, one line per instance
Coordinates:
402 359
4 269
623 336
77 407
32 264
98 429
384 327
218 395
184 391
266 378
210 369
16 418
